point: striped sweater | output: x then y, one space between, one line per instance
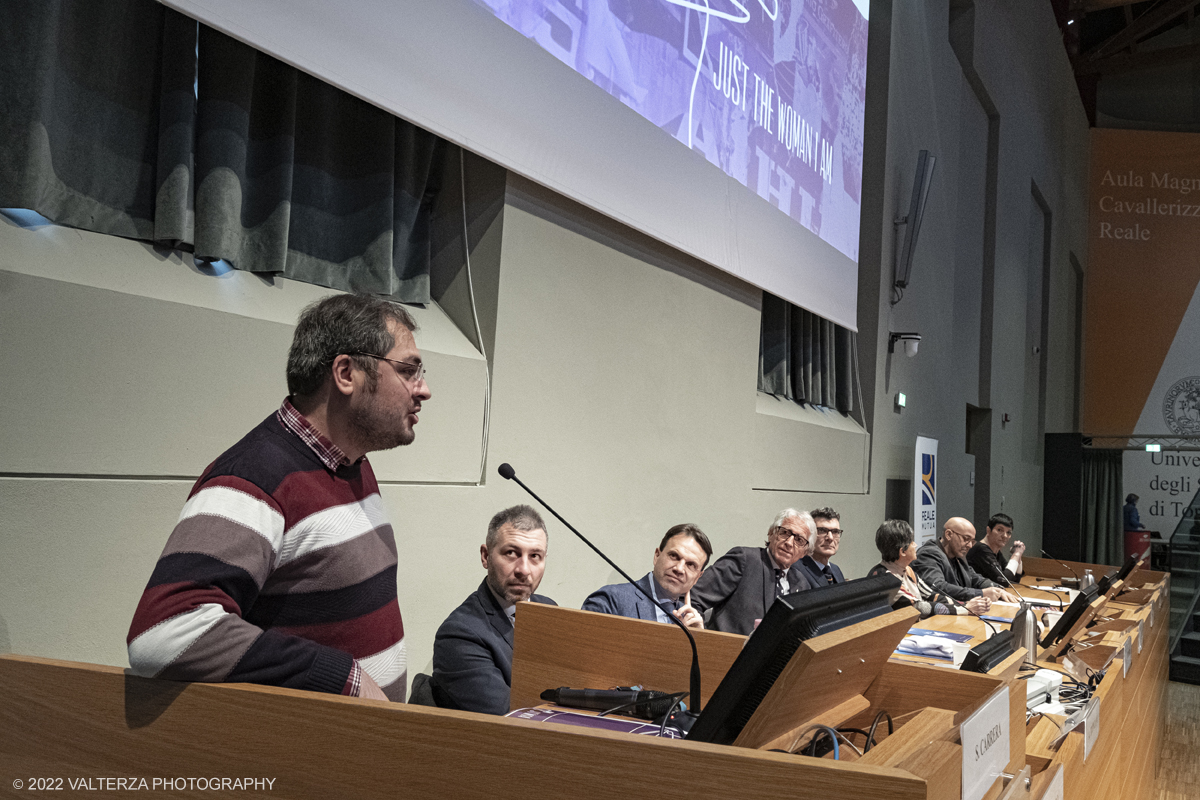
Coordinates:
280 571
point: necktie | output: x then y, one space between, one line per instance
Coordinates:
779 579
828 575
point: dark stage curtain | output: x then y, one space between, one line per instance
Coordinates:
127 118
1103 525
806 358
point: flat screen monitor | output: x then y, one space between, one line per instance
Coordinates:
791 620
1118 575
987 654
1127 567
1071 615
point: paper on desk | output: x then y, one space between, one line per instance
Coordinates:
954 637
931 646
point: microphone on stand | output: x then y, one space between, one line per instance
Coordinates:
509 474
1063 563
1057 599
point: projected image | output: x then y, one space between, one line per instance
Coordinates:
770 91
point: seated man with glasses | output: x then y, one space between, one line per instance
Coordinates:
942 564
824 547
282 567
736 591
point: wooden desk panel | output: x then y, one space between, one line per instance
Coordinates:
634 653
77 720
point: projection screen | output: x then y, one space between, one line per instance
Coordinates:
729 129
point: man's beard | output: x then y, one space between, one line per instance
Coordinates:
377 430
507 592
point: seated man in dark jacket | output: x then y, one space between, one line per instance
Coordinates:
678 562
472 651
741 585
821 571
942 565
986 557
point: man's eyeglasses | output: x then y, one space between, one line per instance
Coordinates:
785 534
830 533
414 374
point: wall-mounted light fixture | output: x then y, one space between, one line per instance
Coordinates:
911 340
1154 448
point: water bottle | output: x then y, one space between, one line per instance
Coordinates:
1088 580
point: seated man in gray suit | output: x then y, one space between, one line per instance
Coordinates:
943 565
824 547
472 651
678 562
741 585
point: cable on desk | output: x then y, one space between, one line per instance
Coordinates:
1043 714
874 725
634 703
850 744
812 746
662 729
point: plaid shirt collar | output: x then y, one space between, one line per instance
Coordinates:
330 454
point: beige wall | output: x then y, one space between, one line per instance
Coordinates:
622 374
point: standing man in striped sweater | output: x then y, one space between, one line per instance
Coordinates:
282 567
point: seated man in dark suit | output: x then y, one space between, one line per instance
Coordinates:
741 585
942 565
678 562
824 547
472 651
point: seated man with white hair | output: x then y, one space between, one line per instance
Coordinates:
736 591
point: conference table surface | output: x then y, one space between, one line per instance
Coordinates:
1122 762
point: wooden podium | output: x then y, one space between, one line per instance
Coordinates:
80 721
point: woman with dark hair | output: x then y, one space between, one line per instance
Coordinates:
898 549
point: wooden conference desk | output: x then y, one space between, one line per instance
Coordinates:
1133 707
71 721
1123 761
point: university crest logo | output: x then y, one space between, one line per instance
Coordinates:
1181 406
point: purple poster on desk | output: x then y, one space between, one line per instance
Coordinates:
770 91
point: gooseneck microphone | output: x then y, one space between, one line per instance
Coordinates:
1057 599
509 474
1063 563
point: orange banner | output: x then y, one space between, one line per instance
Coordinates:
1142 272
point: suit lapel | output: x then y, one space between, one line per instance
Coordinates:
768 578
645 608
797 577
495 614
